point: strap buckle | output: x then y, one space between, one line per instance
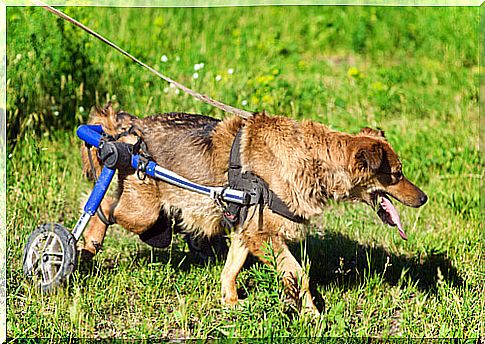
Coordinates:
230 212
216 193
141 169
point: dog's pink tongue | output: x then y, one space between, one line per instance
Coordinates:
394 216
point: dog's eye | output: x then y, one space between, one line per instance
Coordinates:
397 175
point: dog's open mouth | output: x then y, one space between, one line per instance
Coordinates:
387 212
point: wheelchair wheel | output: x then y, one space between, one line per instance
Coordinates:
50 256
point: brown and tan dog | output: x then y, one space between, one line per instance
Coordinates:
304 163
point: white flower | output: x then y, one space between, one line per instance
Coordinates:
177 91
164 58
244 102
56 113
81 109
230 70
166 89
218 78
195 75
10 156
172 85
198 66
177 58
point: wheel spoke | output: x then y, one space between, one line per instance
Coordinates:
55 245
36 267
37 256
55 241
54 262
47 241
54 254
45 275
50 272
35 259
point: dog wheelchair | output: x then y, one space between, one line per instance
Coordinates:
50 255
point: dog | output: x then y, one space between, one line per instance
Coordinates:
304 163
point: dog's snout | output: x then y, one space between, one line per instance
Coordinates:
423 199
407 193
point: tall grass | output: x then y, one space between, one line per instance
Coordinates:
410 71
56 72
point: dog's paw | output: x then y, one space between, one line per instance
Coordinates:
234 304
310 311
85 262
308 307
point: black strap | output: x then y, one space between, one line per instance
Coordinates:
235 156
139 147
255 186
102 217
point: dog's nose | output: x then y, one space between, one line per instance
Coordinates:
423 198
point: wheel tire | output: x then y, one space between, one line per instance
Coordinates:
50 256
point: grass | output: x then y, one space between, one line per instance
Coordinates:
410 71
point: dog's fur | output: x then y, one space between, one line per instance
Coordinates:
304 163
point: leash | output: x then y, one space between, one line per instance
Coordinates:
259 192
224 107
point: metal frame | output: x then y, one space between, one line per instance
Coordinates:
94 135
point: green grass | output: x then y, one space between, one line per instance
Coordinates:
410 71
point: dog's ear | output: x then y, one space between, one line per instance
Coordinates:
372 132
108 110
105 111
368 156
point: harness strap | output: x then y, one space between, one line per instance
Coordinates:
102 217
257 188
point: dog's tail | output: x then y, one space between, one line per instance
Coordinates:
107 118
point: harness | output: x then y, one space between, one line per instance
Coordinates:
255 190
255 186
116 154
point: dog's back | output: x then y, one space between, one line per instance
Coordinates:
180 142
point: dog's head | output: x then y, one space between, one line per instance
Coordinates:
376 174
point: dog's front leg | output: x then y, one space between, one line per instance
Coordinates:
236 257
95 232
295 279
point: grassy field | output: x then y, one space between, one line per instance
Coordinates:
411 71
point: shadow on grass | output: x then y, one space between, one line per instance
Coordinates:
337 259
177 255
